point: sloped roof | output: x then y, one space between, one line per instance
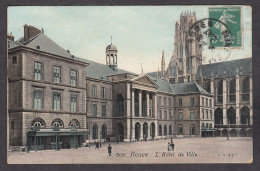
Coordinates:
154 74
100 71
187 88
12 44
47 45
230 68
163 85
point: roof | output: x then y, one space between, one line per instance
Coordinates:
12 44
163 85
111 47
187 88
101 71
229 67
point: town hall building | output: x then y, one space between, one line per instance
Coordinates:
57 100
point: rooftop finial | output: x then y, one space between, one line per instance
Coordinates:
111 39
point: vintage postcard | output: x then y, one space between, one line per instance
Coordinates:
130 84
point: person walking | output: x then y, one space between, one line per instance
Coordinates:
109 150
97 145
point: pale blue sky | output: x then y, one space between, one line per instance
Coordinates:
139 32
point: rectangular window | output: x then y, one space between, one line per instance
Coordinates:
57 74
37 70
103 93
165 101
192 101
14 59
210 102
202 101
56 101
73 77
207 114
94 89
203 114
165 114
103 110
170 102
37 99
192 115
180 116
73 103
207 102
159 101
210 114
94 109
160 114
180 102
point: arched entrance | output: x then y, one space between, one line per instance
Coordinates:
165 130
160 130
137 131
245 115
233 132
145 131
95 131
218 116
152 130
120 105
104 131
231 115
120 131
242 133
192 129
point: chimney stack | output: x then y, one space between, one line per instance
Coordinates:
30 31
10 36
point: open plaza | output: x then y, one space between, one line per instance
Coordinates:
186 150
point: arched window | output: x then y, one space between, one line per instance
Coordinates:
160 130
210 125
231 115
232 91
207 125
218 116
120 105
203 125
220 92
74 123
104 131
207 86
245 89
95 131
245 115
38 122
57 123
180 131
170 130
165 130
192 129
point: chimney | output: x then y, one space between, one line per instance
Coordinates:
10 36
30 31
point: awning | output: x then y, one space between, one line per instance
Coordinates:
62 132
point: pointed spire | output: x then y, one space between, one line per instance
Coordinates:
163 58
158 74
111 39
142 68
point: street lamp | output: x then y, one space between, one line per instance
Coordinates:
171 130
228 130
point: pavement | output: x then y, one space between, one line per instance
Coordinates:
186 150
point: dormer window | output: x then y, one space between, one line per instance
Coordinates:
37 47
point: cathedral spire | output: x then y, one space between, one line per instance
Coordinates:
163 64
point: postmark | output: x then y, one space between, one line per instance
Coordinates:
202 31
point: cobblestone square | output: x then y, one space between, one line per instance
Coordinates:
187 150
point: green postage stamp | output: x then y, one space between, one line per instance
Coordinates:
227 27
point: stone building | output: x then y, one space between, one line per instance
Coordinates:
57 100
228 82
47 94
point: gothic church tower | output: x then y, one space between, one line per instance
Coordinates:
187 54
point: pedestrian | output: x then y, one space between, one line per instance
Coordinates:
97 145
109 150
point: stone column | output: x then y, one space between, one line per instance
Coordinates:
140 102
133 130
251 99
133 103
212 85
237 100
141 132
154 109
128 101
147 103
224 101
148 131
